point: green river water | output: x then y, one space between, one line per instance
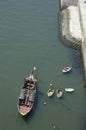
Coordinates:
30 36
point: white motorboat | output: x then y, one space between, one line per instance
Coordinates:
69 89
66 69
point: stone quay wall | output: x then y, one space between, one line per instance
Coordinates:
71 32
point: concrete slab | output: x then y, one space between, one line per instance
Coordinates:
82 5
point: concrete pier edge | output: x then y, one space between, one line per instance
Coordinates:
83 47
65 32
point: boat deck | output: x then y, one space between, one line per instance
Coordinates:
24 109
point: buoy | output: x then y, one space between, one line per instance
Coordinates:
34 68
54 126
50 84
44 103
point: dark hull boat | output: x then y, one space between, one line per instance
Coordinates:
27 94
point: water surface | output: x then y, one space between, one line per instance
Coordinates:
29 36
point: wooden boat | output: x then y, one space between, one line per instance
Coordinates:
66 69
27 94
59 93
69 89
50 92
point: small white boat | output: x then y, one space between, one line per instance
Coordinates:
66 69
50 92
59 93
69 89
